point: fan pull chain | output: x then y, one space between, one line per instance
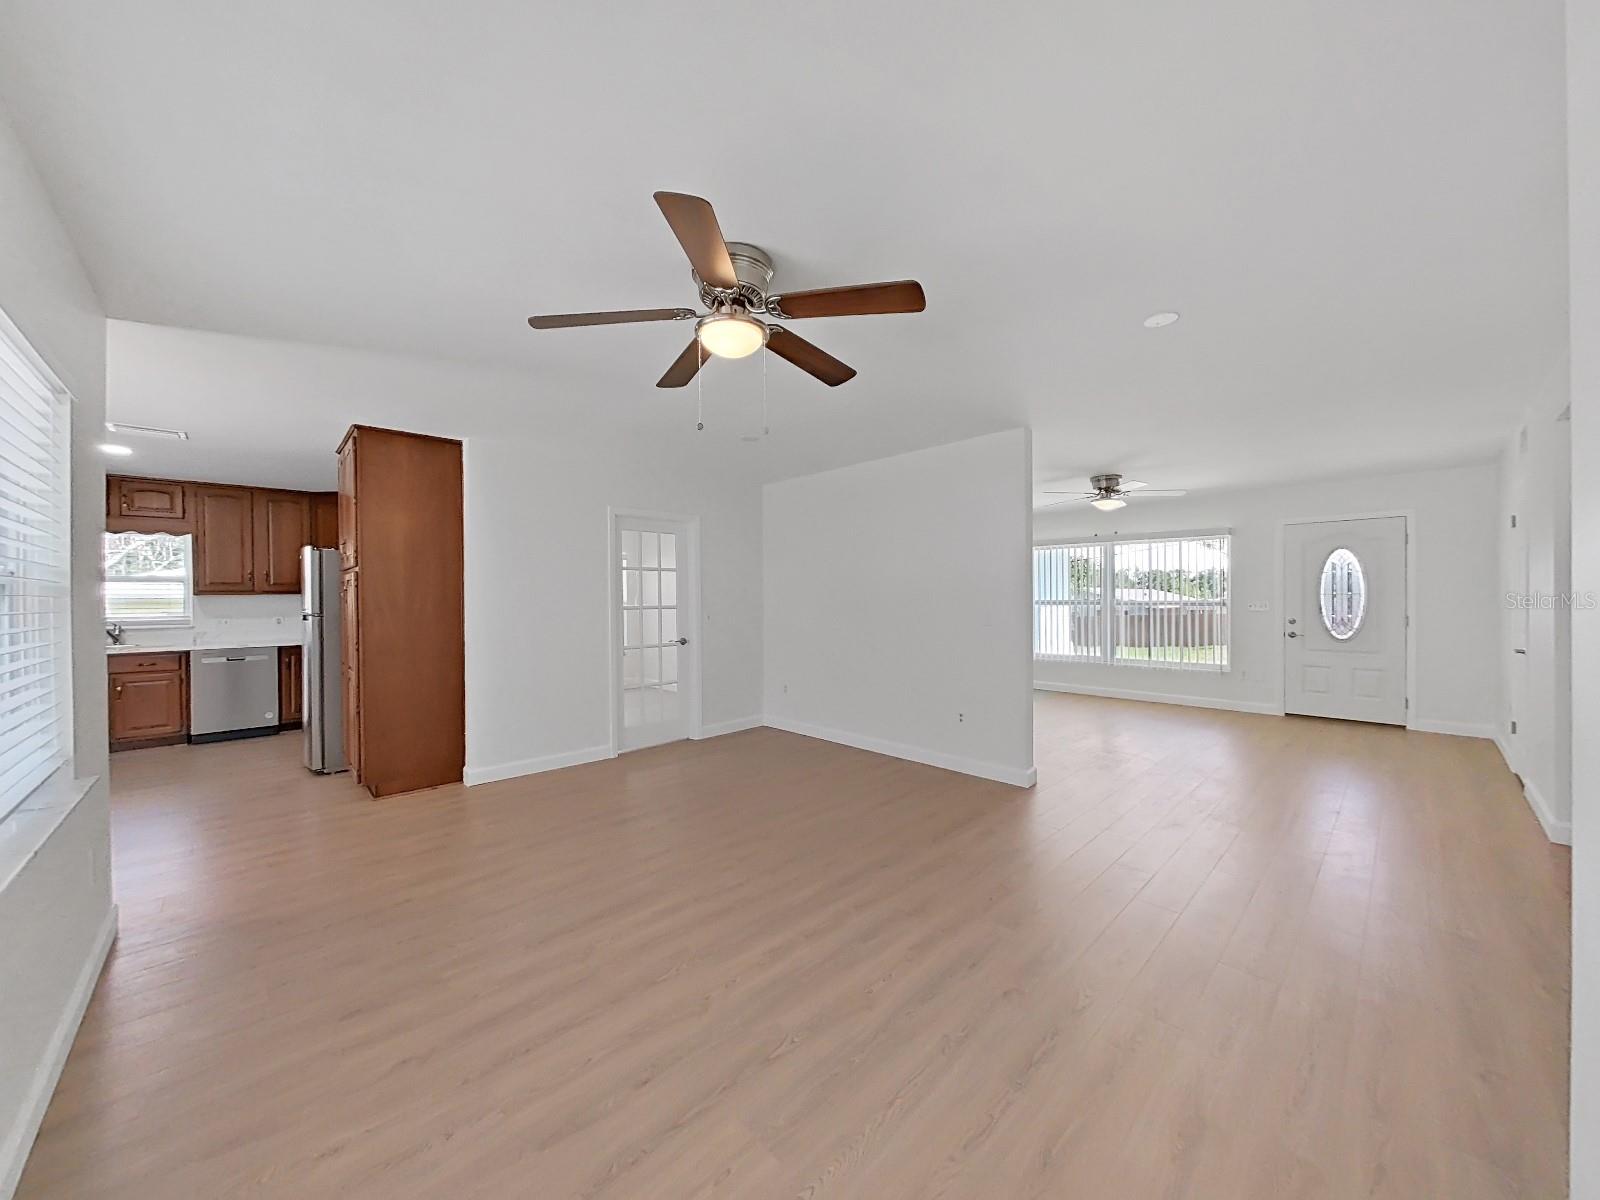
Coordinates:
699 386
765 428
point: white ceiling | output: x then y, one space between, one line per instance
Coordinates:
1357 207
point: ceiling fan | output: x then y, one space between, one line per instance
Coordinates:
733 280
1111 492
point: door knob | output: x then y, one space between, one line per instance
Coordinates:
1292 633
683 641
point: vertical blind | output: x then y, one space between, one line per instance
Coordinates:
35 569
1146 602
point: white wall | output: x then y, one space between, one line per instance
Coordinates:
56 916
538 602
897 597
1583 134
228 620
1536 617
1453 556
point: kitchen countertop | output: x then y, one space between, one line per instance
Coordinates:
258 642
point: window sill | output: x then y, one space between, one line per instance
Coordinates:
175 623
26 828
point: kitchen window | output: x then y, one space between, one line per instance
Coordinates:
35 571
1148 602
148 578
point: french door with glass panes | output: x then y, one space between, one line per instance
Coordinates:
655 665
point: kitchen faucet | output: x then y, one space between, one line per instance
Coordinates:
116 633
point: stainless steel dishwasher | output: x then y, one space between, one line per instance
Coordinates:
233 693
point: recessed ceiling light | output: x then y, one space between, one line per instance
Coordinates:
115 450
176 435
1160 320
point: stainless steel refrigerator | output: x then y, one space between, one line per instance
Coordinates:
321 674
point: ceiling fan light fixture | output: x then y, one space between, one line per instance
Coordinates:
1109 503
731 334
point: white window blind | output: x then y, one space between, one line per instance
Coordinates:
1152 602
35 571
1068 618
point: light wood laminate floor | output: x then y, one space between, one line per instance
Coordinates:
1211 955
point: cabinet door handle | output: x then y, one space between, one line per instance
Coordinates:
119 691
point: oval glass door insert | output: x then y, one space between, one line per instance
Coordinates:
1343 594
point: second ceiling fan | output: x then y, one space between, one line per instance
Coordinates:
1111 492
733 279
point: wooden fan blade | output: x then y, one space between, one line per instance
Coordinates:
856 300
685 367
623 317
695 225
810 359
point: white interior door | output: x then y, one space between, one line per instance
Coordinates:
655 663
1345 619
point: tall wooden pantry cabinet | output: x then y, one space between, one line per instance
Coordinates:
400 547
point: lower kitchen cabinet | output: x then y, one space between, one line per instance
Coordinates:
148 699
289 693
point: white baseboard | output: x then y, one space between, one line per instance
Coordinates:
1083 689
1470 729
1557 831
738 725
473 776
932 758
19 1139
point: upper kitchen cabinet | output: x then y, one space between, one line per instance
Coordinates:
247 540
325 520
346 512
224 542
147 505
282 527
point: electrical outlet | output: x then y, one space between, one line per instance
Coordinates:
1259 606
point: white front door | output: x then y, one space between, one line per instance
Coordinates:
1345 619
655 605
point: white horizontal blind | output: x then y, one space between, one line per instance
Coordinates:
1068 617
1152 602
35 572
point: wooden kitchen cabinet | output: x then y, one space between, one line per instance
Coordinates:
325 520
346 510
400 538
148 699
224 541
147 505
350 661
282 523
247 540
289 693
